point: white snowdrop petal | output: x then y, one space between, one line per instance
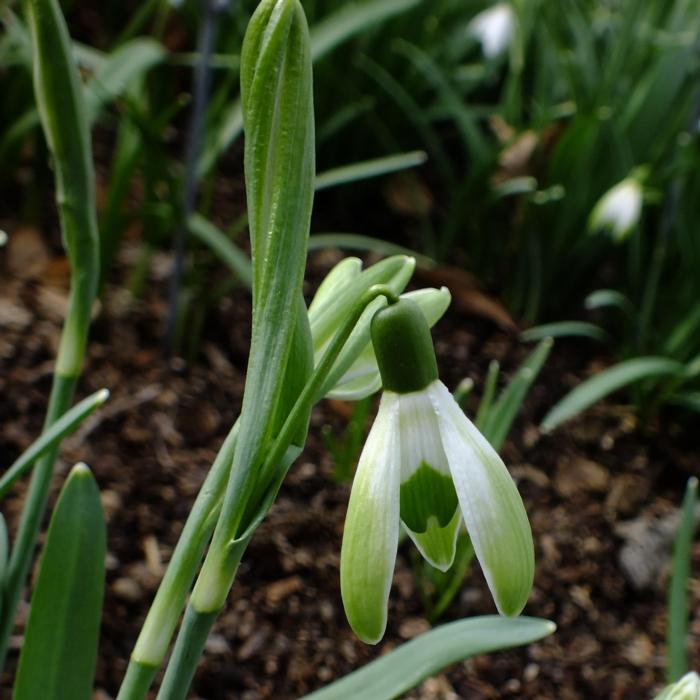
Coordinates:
494 29
491 505
371 533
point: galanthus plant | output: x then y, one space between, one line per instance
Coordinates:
427 466
424 463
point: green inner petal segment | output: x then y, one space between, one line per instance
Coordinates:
427 493
438 545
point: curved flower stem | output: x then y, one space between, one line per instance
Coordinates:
161 621
219 570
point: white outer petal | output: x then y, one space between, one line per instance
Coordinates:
493 29
371 534
619 208
491 505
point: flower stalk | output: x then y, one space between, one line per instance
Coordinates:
59 98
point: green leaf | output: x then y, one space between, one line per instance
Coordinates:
367 169
354 241
564 329
65 425
353 19
606 382
488 394
686 399
602 298
4 550
502 413
402 669
678 588
59 654
119 71
60 100
350 20
223 247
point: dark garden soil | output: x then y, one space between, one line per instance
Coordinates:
591 488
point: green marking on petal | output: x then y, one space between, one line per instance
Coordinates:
438 545
427 493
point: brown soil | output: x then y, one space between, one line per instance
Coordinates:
283 633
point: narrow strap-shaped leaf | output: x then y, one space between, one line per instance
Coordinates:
223 247
366 169
606 382
565 329
678 588
4 549
58 658
402 669
119 70
354 241
60 101
503 412
65 425
351 19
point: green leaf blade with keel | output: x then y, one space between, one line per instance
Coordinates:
60 646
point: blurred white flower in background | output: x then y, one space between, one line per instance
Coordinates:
619 209
494 29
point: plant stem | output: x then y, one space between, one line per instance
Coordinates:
220 567
137 680
162 618
33 512
188 648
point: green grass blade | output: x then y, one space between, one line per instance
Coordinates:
565 329
60 100
505 409
60 644
402 669
4 549
342 25
223 247
367 169
489 392
353 241
128 64
352 19
677 633
603 298
686 399
64 426
606 382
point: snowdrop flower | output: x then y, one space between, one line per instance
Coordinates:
619 209
494 29
426 465
687 688
355 374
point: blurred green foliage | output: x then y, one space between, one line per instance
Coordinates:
522 141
